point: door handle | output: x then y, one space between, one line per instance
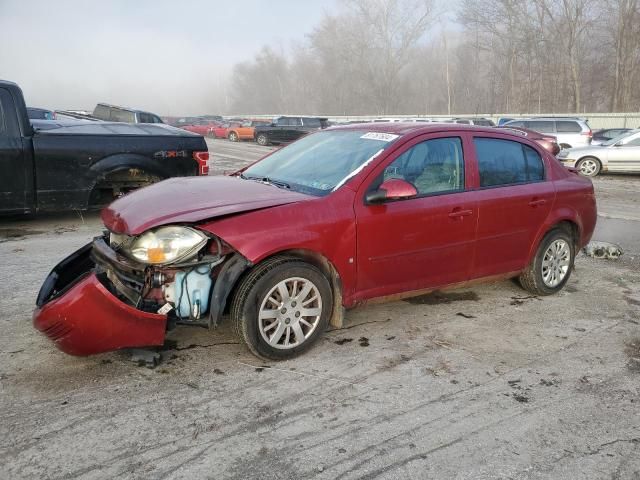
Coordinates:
537 203
458 213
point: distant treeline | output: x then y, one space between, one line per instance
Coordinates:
383 57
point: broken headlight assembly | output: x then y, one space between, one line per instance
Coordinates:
165 245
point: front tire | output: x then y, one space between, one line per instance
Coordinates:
281 308
551 267
262 140
233 136
589 166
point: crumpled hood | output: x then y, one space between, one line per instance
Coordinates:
191 200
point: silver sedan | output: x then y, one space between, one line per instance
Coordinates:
619 155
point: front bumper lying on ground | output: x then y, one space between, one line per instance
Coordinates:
77 312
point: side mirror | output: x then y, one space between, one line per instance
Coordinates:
619 144
392 189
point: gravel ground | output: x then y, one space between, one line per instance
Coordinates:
486 382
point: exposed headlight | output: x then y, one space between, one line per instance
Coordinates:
166 245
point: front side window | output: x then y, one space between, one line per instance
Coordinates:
633 143
432 166
282 122
505 162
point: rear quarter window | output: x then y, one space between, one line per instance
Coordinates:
507 162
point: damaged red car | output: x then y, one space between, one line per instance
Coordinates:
339 218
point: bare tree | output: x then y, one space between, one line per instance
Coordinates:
378 57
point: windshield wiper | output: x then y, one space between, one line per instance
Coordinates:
268 181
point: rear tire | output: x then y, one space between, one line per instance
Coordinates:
589 166
233 136
551 267
281 308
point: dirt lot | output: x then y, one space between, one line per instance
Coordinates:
487 382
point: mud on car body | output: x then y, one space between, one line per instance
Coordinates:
336 219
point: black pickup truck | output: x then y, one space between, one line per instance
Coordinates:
287 129
51 165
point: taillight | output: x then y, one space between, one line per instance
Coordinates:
588 133
201 159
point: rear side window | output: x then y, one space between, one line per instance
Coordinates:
2 127
564 126
542 126
312 123
465 122
515 124
505 162
122 116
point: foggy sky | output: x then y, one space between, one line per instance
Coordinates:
168 56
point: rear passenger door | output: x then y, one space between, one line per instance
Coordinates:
293 130
277 133
514 199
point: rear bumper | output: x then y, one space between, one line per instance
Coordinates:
79 314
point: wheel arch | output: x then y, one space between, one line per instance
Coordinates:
112 164
316 259
568 221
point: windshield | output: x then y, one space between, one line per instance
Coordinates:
318 163
615 140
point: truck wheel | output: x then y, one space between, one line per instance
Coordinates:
233 136
281 308
551 267
262 140
117 184
589 166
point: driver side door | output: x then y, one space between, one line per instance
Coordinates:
422 242
16 182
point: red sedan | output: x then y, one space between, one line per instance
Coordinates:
202 127
336 219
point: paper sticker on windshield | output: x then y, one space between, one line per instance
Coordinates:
385 137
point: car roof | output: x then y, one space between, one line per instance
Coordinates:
405 128
564 119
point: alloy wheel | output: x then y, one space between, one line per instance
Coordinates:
290 313
556 263
588 167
